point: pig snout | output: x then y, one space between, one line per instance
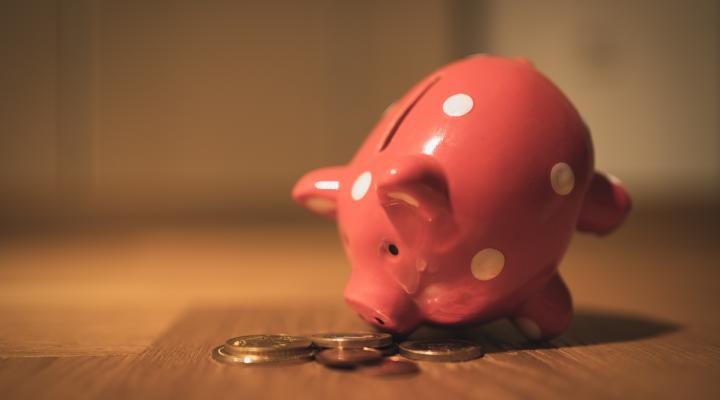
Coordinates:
386 307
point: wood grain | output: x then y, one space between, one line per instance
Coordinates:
136 315
604 355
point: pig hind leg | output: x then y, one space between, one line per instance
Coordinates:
548 313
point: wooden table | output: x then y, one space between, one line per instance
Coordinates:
134 313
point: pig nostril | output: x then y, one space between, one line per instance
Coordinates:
393 249
379 321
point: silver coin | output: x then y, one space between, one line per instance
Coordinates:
391 367
352 340
447 350
348 358
220 354
262 344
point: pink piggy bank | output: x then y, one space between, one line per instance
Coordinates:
460 204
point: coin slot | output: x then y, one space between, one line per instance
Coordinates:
379 321
389 137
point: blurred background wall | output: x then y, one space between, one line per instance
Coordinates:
194 109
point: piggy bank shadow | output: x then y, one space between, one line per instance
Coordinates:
589 327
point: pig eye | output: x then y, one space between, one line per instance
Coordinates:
393 249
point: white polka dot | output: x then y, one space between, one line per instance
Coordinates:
319 204
487 264
562 178
528 327
361 185
458 105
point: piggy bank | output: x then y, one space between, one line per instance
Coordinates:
461 202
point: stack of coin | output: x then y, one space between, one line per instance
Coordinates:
383 342
445 350
365 351
264 349
350 350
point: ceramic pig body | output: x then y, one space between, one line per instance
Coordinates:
460 204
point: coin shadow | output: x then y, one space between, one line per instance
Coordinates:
589 327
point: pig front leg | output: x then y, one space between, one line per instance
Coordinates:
546 314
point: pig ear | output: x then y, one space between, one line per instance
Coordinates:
318 190
415 196
605 207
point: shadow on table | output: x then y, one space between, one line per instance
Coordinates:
589 327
